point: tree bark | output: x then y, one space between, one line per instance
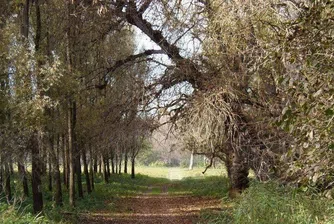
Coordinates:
7 187
120 163
238 170
36 173
71 155
91 166
57 178
103 166
84 160
191 162
126 158
100 166
95 163
25 19
23 176
66 167
108 166
133 168
116 163
112 162
50 170
77 152
36 138
1 175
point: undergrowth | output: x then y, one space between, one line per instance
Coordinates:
264 203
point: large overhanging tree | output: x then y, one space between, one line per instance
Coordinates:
236 76
192 69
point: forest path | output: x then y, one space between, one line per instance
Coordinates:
154 207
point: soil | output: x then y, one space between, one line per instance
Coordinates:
149 208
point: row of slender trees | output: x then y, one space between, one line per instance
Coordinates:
60 115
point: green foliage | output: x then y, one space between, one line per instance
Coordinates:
307 83
10 214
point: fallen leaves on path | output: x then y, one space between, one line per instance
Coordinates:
155 209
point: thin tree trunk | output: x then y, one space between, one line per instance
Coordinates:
50 169
77 152
65 161
126 161
84 160
112 162
191 162
23 177
91 167
108 167
116 163
71 156
95 163
78 175
120 164
11 167
36 173
105 176
57 178
36 141
1 175
7 187
132 168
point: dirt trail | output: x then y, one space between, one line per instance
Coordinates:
151 208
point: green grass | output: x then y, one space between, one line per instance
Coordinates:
265 203
262 203
164 172
148 180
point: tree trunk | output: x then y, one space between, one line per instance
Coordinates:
120 164
1 175
84 160
7 187
126 161
95 163
36 173
23 176
57 178
71 155
133 168
66 167
91 167
99 168
50 169
112 163
11 166
108 167
103 165
77 152
238 170
116 163
191 162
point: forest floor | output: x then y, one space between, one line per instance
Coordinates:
153 208
158 200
